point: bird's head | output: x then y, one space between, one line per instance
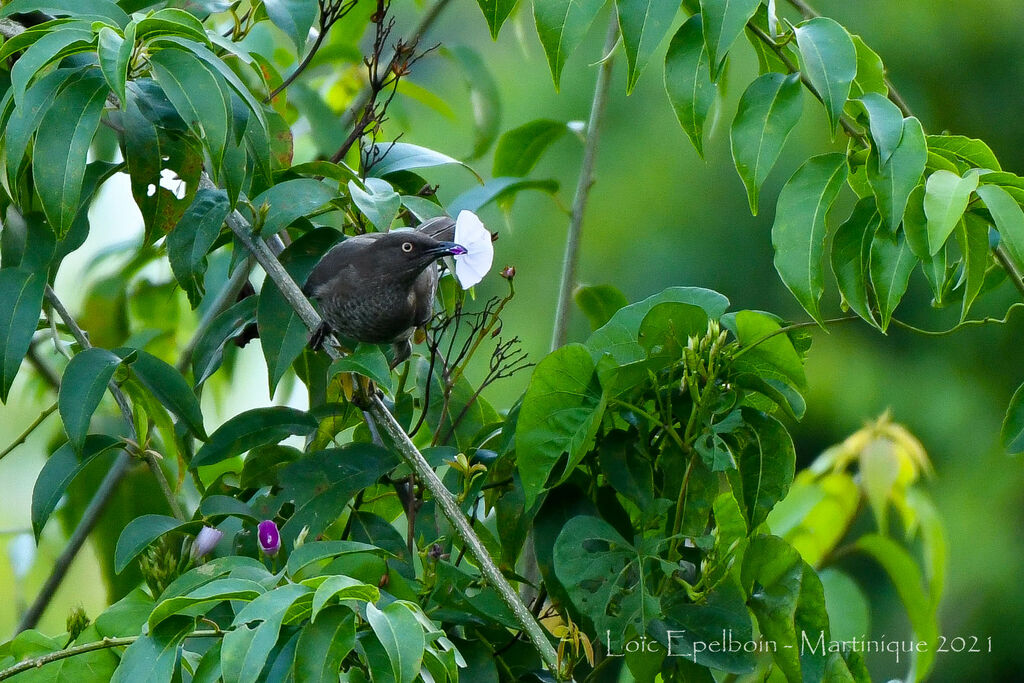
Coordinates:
409 252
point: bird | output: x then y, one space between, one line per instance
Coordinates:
379 288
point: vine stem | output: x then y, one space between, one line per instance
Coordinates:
583 185
387 424
104 644
31 428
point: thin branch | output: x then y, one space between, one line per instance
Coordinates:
104 644
586 179
45 371
31 428
330 13
225 298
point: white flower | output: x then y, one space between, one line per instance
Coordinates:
470 233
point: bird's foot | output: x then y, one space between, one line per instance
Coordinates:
320 334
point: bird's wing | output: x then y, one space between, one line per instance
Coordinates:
334 261
425 289
441 228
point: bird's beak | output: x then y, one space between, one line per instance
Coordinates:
448 248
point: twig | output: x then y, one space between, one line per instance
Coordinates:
104 644
31 428
45 371
586 179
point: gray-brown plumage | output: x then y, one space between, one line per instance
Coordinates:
379 287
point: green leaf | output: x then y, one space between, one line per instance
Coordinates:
561 27
205 596
1008 217
642 24
125 617
765 460
972 236
60 470
283 335
114 53
398 630
607 577
324 644
501 190
519 149
84 382
61 151
561 412
752 330
153 657
851 254
294 17
217 507
246 649
21 297
209 350
892 262
250 429
886 123
378 202
829 60
422 208
915 227
768 111
892 181
496 12
724 21
318 551
165 383
945 199
49 48
906 576
142 531
961 149
798 234
367 360
171 20
484 95
402 156
688 80
290 200
101 8
192 238
343 588
870 71
599 303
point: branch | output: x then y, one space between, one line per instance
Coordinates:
31 428
104 644
586 179
387 424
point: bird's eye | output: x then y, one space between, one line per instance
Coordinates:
407 247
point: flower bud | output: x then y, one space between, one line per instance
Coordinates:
77 622
508 272
269 537
206 540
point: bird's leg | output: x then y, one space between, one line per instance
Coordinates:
320 334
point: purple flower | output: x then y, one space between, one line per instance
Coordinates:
270 537
206 541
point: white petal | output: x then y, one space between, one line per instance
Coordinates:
470 232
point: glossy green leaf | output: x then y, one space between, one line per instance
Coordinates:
403 156
851 254
205 596
893 181
171 20
167 385
217 506
870 71
48 48
193 236
499 190
906 577
153 657
885 123
142 531
367 360
496 12
643 24
60 470
485 97
972 236
798 234
324 644
318 551
253 428
766 462
84 382
126 616
724 21
1012 434
378 202
294 17
246 648
209 349
107 9
561 27
21 297
398 630
343 588
115 52
829 60
60 155
1008 217
892 262
945 199
290 200
599 303
962 149
519 149
760 332
915 227
561 412
768 111
688 80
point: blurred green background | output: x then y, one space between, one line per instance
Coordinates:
660 216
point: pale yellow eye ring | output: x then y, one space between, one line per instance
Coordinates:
407 247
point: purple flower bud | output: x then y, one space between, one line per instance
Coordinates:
206 540
270 537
